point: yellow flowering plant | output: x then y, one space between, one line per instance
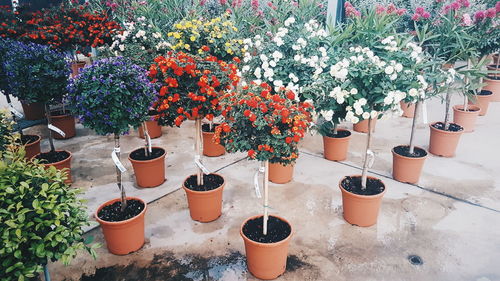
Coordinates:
217 37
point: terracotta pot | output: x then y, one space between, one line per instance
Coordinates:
408 109
361 210
149 173
279 173
154 130
33 111
266 261
335 149
493 86
466 119
210 148
76 67
123 237
66 123
362 127
63 164
407 169
205 206
33 148
443 143
483 101
493 68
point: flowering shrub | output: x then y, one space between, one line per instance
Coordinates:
216 37
265 125
36 73
293 57
4 47
190 86
111 95
486 29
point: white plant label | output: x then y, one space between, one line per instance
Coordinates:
116 149
256 184
200 165
118 164
57 130
15 112
371 158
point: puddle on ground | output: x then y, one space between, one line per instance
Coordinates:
188 268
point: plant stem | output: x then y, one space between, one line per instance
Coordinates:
46 272
365 164
466 81
413 127
147 151
199 175
335 129
123 200
266 196
49 121
447 113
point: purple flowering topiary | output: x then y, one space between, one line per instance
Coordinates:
111 95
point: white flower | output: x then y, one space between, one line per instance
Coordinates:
358 111
289 21
257 43
302 42
278 83
245 68
327 114
362 101
277 55
398 67
354 91
247 41
294 78
296 57
263 57
272 63
257 73
340 100
366 115
393 76
413 92
388 100
342 74
389 70
268 73
369 54
121 47
354 119
278 41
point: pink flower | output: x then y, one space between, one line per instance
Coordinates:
491 13
426 15
223 2
401 12
420 10
380 9
255 4
466 19
479 16
497 6
455 5
203 2
465 3
350 11
391 8
415 17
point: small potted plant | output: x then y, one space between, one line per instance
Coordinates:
267 127
190 87
42 218
110 96
37 73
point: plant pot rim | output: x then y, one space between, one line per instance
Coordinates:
150 160
79 62
340 129
491 79
60 116
487 93
267 245
446 132
410 158
203 192
39 138
109 202
58 162
365 197
459 107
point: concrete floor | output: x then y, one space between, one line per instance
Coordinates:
451 219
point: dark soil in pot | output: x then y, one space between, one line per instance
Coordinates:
404 150
206 128
60 113
452 128
485 93
52 156
277 230
493 78
113 212
339 134
152 112
140 154
353 185
210 182
27 139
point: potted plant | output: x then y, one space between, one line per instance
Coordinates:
110 96
190 87
42 218
36 73
267 127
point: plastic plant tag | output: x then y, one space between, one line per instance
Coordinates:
256 182
371 158
57 130
118 164
200 165
15 112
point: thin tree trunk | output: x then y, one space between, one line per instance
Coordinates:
414 127
199 175
123 197
447 113
49 121
466 104
266 196
365 164
147 151
335 129
497 64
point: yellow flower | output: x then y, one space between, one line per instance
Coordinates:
178 26
230 51
192 38
186 46
235 29
227 44
177 35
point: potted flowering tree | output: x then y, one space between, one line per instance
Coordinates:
110 96
190 87
268 127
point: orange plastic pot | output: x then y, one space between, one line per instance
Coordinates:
76 68
362 127
483 101
279 173
149 173
66 123
466 119
408 109
335 149
443 143
361 210
204 206
210 148
32 148
493 86
154 130
266 261
63 164
123 237
33 111
407 169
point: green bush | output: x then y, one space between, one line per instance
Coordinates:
41 218
5 129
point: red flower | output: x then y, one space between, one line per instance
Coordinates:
251 153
